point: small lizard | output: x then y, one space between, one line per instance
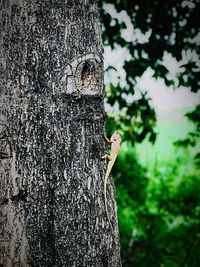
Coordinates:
115 141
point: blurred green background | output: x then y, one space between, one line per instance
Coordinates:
152 65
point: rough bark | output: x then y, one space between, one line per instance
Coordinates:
52 210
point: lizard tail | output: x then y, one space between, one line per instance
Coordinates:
106 206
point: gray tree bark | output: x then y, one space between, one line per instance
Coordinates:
52 210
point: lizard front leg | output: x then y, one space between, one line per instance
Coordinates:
107 139
107 157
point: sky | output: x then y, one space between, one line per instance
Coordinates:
164 99
167 99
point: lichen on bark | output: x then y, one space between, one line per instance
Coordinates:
52 116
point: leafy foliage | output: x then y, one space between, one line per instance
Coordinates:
172 27
135 123
193 136
159 212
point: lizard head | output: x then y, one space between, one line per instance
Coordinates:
116 137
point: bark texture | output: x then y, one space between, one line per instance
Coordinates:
52 210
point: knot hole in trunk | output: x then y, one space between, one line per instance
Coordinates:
88 75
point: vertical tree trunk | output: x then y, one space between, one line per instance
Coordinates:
52 210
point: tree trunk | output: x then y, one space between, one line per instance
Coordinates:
52 210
